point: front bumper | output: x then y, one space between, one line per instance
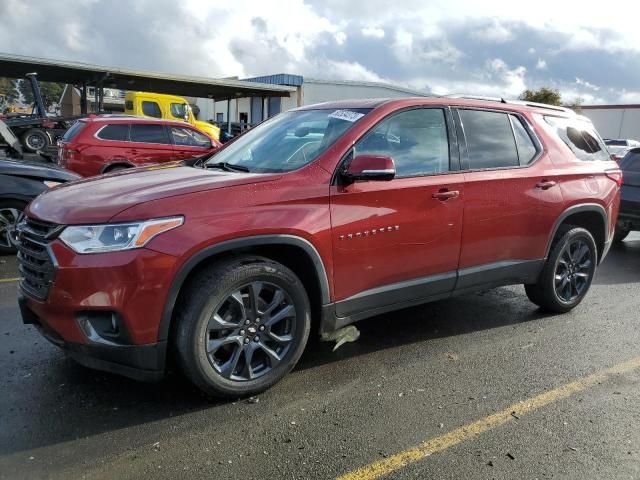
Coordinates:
140 362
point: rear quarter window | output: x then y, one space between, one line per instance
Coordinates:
581 138
75 129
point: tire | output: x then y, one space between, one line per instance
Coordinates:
35 139
115 168
573 258
620 234
10 211
208 344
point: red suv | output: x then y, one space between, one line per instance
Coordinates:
105 143
322 216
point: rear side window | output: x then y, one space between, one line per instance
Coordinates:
148 133
580 137
490 140
417 141
527 150
75 129
151 109
115 132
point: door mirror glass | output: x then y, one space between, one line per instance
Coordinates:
370 167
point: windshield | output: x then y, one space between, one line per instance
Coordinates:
288 141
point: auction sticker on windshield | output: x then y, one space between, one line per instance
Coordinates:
347 115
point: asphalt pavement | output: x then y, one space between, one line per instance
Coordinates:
480 386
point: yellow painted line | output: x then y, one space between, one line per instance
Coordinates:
467 432
9 280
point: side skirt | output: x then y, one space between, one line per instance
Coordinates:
388 298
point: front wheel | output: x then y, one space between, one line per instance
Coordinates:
10 211
567 273
242 326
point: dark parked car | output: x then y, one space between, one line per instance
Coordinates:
324 216
629 217
21 182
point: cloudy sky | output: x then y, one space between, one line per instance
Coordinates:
489 47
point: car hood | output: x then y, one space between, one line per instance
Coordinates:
98 199
36 170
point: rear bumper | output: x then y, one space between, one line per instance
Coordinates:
140 362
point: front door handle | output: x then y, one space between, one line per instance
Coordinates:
545 184
444 194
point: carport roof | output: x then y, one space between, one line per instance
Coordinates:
16 66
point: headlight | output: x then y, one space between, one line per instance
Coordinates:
51 183
116 237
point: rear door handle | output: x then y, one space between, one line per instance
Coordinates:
545 184
444 194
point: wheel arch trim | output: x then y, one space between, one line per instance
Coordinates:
580 208
229 245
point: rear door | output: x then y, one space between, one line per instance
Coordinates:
509 198
188 142
630 194
398 241
149 144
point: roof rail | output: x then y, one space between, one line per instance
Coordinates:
476 97
541 105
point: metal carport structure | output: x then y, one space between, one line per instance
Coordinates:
83 75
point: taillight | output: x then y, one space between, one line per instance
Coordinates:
615 175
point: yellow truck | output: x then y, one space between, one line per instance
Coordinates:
170 107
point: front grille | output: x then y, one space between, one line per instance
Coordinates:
35 263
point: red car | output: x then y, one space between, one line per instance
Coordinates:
105 143
319 217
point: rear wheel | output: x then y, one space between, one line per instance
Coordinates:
242 326
567 273
35 139
10 211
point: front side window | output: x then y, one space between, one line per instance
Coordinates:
416 139
151 109
580 136
179 110
288 141
115 132
490 140
148 133
189 138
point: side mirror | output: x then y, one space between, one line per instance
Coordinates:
370 167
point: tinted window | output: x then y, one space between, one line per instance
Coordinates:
117 131
188 137
580 137
147 133
526 148
151 109
73 131
490 142
416 140
179 110
631 161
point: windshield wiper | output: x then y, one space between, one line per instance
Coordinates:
229 167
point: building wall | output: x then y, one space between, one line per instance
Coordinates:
615 121
317 91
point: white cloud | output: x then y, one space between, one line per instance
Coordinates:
340 37
586 84
375 32
495 32
541 64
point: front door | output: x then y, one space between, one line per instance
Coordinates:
398 241
149 144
